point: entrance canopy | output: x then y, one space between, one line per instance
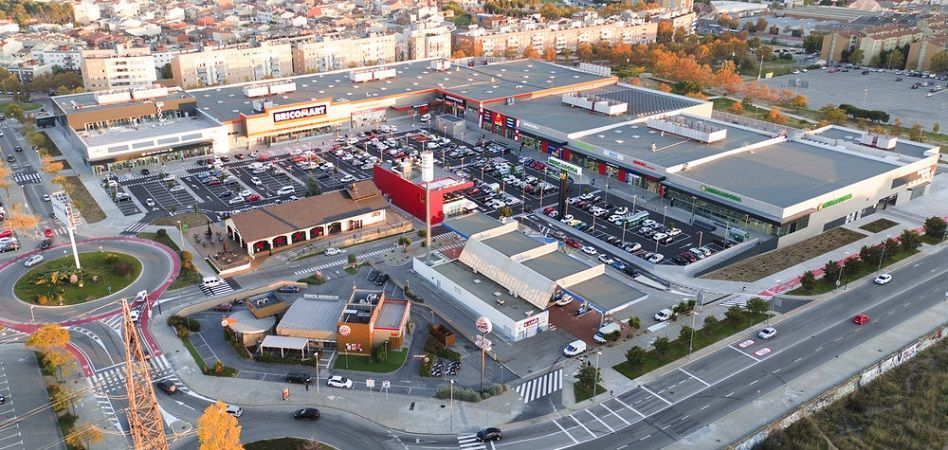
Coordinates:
284 343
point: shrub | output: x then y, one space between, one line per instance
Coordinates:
42 300
433 345
122 269
612 337
186 257
710 321
182 331
425 369
459 393
111 258
194 325
495 390
161 232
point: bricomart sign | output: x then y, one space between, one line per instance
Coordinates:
834 201
721 193
299 113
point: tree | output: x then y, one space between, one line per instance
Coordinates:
15 111
935 227
870 254
813 43
506 211
404 242
735 314
736 108
52 168
665 32
549 53
856 56
685 333
710 321
662 346
422 233
757 305
5 179
775 116
765 51
808 280
218 430
831 270
84 436
635 357
761 25
510 52
47 337
166 71
798 101
909 240
312 187
916 133
588 376
530 52
635 324
834 115
351 257
584 51
896 59
939 62
936 128
60 360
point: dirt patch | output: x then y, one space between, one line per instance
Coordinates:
83 200
878 225
774 261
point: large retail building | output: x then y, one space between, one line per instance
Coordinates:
783 182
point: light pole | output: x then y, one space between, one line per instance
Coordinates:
839 275
32 317
451 407
760 68
664 214
596 378
625 224
180 235
691 341
882 256
700 237
693 200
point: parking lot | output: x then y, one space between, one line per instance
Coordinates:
156 195
875 90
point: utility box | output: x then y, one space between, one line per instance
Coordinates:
443 335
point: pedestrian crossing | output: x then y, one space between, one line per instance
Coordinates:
135 227
340 262
735 300
27 178
469 442
219 289
115 323
541 386
105 404
112 378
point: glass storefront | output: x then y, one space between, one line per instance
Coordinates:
296 135
158 157
726 216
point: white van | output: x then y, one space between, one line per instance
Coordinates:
286 190
574 348
606 330
211 282
425 118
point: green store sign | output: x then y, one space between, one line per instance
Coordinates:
720 193
835 201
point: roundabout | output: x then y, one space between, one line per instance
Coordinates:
57 281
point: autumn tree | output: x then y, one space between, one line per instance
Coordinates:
529 52
584 51
549 53
736 108
84 436
665 31
218 430
798 101
775 116
53 169
5 179
856 56
19 219
916 133
939 62
834 114
51 340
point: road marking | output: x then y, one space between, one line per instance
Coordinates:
599 420
776 370
654 394
685 417
752 383
629 407
565 432
614 413
728 395
838 338
798 359
745 354
581 424
645 437
692 376
704 407
907 304
818 349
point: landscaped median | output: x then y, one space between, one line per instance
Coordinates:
58 282
83 200
639 361
188 275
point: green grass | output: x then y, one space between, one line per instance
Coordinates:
901 409
824 285
186 276
194 354
25 106
679 348
878 225
286 443
582 391
83 200
932 240
313 279
365 364
47 147
94 264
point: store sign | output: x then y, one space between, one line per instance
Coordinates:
583 146
564 166
834 201
499 119
529 125
720 193
457 101
345 330
642 164
613 155
483 325
299 113
488 116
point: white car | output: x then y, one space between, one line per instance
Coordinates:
33 260
673 232
150 203
133 314
659 236
605 259
649 223
235 200
348 179
883 279
589 250
663 315
767 333
333 251
566 218
634 247
234 410
656 258
256 181
339 382
574 348
245 193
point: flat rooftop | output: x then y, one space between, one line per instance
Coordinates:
607 292
313 315
86 101
635 142
390 316
478 83
490 292
513 243
146 130
902 146
787 173
555 265
471 224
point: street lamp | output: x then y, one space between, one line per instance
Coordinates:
693 200
700 237
451 403
32 317
882 256
596 378
839 275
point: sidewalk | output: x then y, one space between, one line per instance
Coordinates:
410 414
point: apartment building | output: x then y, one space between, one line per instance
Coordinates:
118 68
871 41
424 42
921 52
335 52
564 34
68 57
232 65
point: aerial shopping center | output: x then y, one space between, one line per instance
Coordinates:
773 180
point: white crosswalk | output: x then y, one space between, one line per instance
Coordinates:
378 252
27 178
115 323
113 378
220 289
470 442
106 406
134 228
739 300
541 386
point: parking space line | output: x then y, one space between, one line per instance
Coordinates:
745 354
654 394
575 441
692 376
599 420
629 407
581 424
614 413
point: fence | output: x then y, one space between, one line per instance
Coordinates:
755 123
843 389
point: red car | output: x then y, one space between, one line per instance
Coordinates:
572 243
263 158
252 198
214 182
48 233
224 307
6 233
548 210
861 319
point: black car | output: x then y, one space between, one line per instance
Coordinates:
225 194
45 244
382 280
168 386
146 172
490 434
300 378
11 158
374 275
289 289
306 413
629 270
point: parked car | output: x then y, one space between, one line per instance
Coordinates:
572 243
382 280
663 315
767 333
234 410
574 348
252 198
306 413
332 251
289 289
589 250
224 307
633 247
606 259
45 244
256 181
150 203
339 382
297 377
656 258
